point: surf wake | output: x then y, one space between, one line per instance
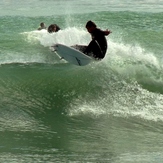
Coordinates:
126 83
133 62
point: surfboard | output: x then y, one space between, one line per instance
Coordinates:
72 55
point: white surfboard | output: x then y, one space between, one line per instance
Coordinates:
72 55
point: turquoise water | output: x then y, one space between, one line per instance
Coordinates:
52 111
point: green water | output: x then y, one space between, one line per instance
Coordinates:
52 111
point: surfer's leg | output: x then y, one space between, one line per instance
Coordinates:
94 48
81 48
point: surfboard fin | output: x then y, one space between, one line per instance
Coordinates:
53 48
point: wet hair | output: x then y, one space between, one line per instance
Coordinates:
42 24
53 28
50 29
90 24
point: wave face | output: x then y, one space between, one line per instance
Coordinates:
109 111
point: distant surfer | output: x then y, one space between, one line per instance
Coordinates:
42 26
53 28
98 45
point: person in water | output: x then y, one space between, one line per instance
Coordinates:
53 28
42 26
98 45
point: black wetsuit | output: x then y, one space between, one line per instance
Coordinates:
98 45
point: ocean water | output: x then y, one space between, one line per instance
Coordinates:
53 111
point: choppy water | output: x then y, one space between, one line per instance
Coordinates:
110 111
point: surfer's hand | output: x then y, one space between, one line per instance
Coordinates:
107 32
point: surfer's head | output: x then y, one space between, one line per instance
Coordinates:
90 26
42 24
53 28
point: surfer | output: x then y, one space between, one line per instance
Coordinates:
53 28
42 26
98 45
